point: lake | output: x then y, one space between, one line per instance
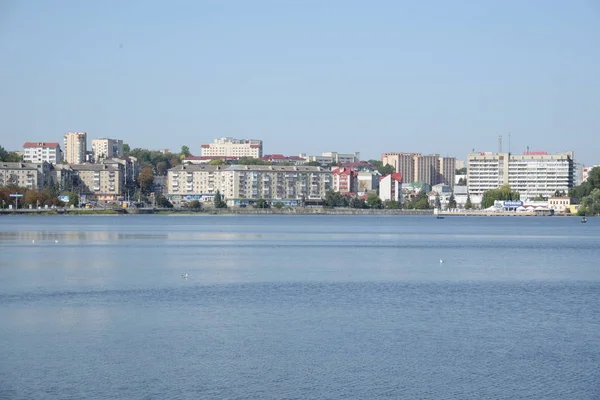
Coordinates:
299 307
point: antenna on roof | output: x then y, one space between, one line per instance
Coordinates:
499 143
509 143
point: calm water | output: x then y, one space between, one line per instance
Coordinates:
299 307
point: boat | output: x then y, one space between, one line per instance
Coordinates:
436 213
583 220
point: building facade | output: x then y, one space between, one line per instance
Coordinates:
390 187
39 152
26 175
230 147
106 148
332 157
75 147
531 174
100 182
345 180
416 167
241 185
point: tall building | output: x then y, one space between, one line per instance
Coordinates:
531 174
230 147
106 148
75 147
37 152
416 167
390 187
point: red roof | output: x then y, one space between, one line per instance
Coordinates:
41 144
397 176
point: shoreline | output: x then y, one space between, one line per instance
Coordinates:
271 211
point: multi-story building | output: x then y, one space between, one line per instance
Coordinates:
75 147
106 148
586 172
100 182
62 175
38 152
531 174
244 184
368 181
390 187
345 180
281 159
230 147
332 157
416 167
26 175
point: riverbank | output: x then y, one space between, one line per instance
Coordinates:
213 211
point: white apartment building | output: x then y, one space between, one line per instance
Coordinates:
390 187
332 157
243 184
100 182
26 175
106 148
38 152
75 147
531 174
230 147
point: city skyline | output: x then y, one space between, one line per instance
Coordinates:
434 78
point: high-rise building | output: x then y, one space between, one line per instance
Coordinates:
532 174
416 167
27 175
230 147
75 147
37 152
106 148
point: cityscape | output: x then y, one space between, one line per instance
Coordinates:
109 173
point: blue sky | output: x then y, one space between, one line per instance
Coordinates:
305 76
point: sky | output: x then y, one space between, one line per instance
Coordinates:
305 76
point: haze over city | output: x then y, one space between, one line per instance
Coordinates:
311 76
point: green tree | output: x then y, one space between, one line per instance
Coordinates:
217 161
462 182
195 205
382 169
73 199
162 168
419 202
126 149
9 156
373 201
539 197
251 161
335 199
452 201
218 201
261 203
468 204
185 151
278 205
313 164
357 202
590 205
502 193
391 204
461 171
146 179
438 203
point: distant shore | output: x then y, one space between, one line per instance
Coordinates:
254 211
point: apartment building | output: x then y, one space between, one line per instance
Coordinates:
416 167
368 181
332 157
39 152
100 182
106 148
345 180
230 147
531 174
75 147
390 187
26 175
281 159
243 184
